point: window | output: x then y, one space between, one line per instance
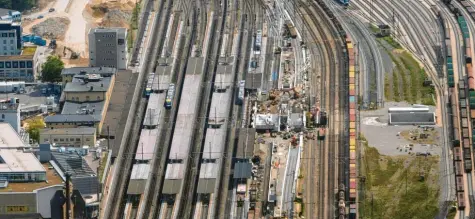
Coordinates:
55 140
15 64
71 139
8 64
61 140
87 98
11 34
88 139
4 35
12 48
78 139
11 41
4 41
4 47
29 64
3 116
2 65
22 64
46 139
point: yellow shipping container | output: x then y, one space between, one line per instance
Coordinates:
350 45
352 74
352 165
352 125
352 147
352 68
352 87
352 190
353 150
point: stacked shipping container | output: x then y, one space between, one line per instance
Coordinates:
353 132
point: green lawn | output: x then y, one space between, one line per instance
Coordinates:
393 187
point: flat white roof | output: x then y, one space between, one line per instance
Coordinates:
9 137
140 171
13 160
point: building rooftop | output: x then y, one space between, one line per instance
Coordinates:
108 30
103 71
266 121
72 163
29 50
7 105
8 137
242 170
147 142
70 118
79 85
93 109
66 131
83 177
246 141
140 171
52 178
5 11
411 118
13 160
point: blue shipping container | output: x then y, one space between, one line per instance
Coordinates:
352 99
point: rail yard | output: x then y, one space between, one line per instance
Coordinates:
252 108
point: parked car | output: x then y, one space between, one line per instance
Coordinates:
41 16
51 10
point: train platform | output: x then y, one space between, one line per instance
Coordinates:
119 106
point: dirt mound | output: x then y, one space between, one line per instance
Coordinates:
111 14
51 28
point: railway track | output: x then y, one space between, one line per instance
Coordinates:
150 206
122 171
191 179
331 41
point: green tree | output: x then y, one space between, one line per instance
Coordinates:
34 126
19 5
51 69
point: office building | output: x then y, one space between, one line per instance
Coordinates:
10 113
108 47
69 137
21 67
10 38
8 14
86 98
27 187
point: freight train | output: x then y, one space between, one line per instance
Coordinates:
461 106
292 30
352 119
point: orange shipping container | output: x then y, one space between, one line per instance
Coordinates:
352 105
352 81
352 92
353 117
352 112
472 114
352 74
352 132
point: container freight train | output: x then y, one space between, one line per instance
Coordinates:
352 134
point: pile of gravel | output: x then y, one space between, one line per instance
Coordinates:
115 17
51 28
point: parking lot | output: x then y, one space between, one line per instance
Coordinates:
396 140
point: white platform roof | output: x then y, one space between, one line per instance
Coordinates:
14 160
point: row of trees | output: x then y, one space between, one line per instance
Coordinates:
19 5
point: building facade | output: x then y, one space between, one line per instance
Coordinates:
69 137
10 38
10 113
108 47
19 67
